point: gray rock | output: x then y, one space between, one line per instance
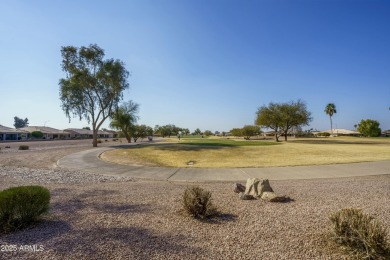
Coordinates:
238 187
255 187
244 196
272 197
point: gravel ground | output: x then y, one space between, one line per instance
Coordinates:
99 217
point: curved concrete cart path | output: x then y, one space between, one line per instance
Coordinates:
89 161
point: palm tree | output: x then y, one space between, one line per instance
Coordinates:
124 118
330 109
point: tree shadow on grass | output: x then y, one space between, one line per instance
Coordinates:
179 147
333 141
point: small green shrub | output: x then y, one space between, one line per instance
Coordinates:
197 202
324 134
37 134
363 235
21 206
24 147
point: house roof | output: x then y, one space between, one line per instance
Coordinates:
85 131
342 131
8 130
43 129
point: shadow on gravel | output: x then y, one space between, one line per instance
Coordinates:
126 208
77 205
221 218
47 230
285 200
94 193
73 205
127 241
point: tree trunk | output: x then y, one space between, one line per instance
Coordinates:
331 125
285 136
128 137
94 142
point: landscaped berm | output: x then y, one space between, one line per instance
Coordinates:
217 152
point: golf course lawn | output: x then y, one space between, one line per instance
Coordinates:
229 153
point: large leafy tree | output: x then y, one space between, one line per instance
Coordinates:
271 117
167 130
93 86
124 119
141 131
330 110
197 132
294 114
185 131
19 122
282 117
236 132
369 128
250 130
208 133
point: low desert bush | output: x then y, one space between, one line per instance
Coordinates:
21 206
197 202
363 235
99 141
24 147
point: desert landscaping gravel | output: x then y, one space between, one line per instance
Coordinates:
100 217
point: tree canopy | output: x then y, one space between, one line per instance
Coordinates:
19 122
208 133
93 86
369 128
124 119
236 132
282 117
247 131
250 130
197 132
141 131
167 130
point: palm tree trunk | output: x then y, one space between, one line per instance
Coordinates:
331 125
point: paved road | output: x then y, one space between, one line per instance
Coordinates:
89 161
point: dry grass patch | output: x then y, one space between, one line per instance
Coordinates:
292 153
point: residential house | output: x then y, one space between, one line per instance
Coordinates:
386 133
343 132
48 132
76 133
8 134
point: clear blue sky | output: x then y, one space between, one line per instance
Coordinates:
207 64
